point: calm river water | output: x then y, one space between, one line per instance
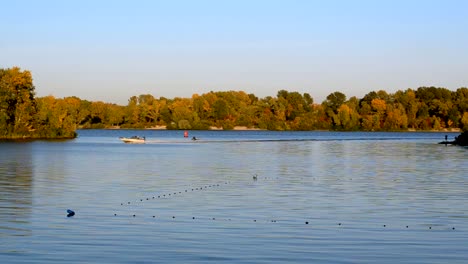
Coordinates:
319 197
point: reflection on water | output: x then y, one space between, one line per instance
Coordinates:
15 189
340 198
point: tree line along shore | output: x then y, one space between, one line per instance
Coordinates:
23 115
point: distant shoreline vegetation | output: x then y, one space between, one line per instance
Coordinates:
423 109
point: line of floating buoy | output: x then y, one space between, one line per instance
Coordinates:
180 192
265 221
255 177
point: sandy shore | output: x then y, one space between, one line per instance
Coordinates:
246 128
211 128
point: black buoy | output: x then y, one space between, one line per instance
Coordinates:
306 223
70 213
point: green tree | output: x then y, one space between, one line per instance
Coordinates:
181 110
331 106
396 118
220 109
334 101
20 112
295 104
56 116
408 100
17 104
346 118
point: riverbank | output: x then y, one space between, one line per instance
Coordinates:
36 137
239 128
244 128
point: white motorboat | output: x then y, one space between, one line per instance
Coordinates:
133 140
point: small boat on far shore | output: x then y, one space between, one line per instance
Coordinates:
133 140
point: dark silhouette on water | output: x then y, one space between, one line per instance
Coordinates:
70 213
460 140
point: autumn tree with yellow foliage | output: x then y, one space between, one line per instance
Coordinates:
23 117
426 108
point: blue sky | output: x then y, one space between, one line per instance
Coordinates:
111 50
